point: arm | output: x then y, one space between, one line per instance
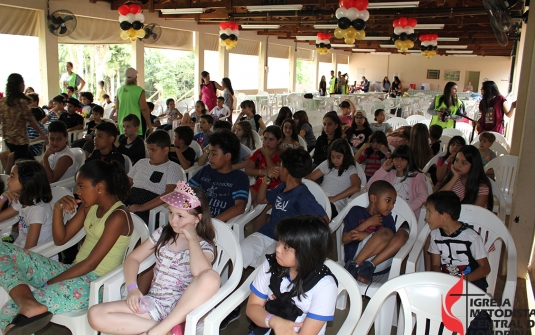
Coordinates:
435 262
257 313
314 175
421 191
509 111
218 86
357 154
204 158
183 161
251 169
451 183
7 213
243 164
62 233
482 200
237 209
431 109
35 126
59 170
389 130
82 84
262 190
382 173
481 272
77 127
354 188
302 133
443 169
262 127
359 232
131 269
33 235
145 111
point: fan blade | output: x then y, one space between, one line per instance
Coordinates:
68 18
63 29
55 20
501 36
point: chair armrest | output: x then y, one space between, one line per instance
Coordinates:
49 249
239 226
67 183
192 170
9 222
152 217
416 250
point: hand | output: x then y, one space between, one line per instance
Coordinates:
388 164
332 199
513 105
67 204
456 174
132 300
366 145
384 149
149 129
174 149
375 220
11 196
189 232
358 235
449 160
281 326
264 151
274 172
135 208
49 151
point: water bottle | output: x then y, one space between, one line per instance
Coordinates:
146 304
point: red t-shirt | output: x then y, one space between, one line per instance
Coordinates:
373 163
260 163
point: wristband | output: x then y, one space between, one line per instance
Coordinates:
131 286
267 320
3 198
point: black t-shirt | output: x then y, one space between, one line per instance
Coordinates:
71 120
435 147
113 155
135 150
321 150
189 155
357 138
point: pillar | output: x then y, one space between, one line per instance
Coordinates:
49 66
199 61
223 62
293 69
138 61
262 65
316 69
335 63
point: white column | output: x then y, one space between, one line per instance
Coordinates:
262 63
199 61
293 68
138 61
48 59
316 69
223 62
335 63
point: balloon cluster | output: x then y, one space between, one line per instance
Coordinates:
352 16
429 45
323 43
228 33
131 22
404 36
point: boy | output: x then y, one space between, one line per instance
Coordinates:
181 153
220 110
105 135
86 98
130 143
435 132
58 160
486 140
455 247
205 124
153 177
73 120
58 103
97 113
70 92
370 235
106 100
227 190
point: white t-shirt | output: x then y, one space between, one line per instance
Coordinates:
54 158
155 178
380 127
333 184
402 188
318 304
217 112
40 213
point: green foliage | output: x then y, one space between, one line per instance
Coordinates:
304 72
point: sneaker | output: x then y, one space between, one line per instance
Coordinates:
233 316
352 268
365 273
8 239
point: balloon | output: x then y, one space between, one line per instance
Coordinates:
395 23
125 25
140 33
327 36
362 4
136 25
233 25
349 40
344 23
224 25
422 47
435 37
222 43
346 3
358 24
429 47
135 8
123 10
124 34
340 13
412 22
236 32
413 37
398 30
132 33
350 33
403 36
228 31
352 13
360 35
433 53
140 17
122 18
338 33
399 44
363 15
403 22
410 44
228 42
409 30
223 36
319 36
326 41
322 45
328 46
228 47
130 17
433 43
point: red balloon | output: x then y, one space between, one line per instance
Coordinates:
135 8
347 3
233 25
319 36
423 38
123 10
435 37
395 23
327 36
362 4
224 25
412 22
403 22
341 3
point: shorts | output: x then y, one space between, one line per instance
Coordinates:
254 246
384 266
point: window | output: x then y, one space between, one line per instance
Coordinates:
22 58
433 74
211 65
278 73
243 72
324 69
304 73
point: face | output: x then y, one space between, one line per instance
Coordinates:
345 111
97 117
384 203
337 158
171 105
454 91
129 129
270 141
13 183
220 103
433 218
247 111
287 129
285 255
157 155
84 100
217 159
484 144
329 126
71 108
238 130
375 145
32 104
461 165
102 140
198 108
332 73
482 90
69 93
204 125
400 164
359 120
88 193
68 67
179 218
454 147
381 117
207 78
57 141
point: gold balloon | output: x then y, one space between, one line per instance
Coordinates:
131 33
360 35
350 33
348 40
124 34
410 44
338 33
222 43
228 42
234 43
140 33
228 47
399 44
433 53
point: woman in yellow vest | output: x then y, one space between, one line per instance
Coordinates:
446 108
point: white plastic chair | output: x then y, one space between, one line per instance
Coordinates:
317 129
499 138
427 122
73 136
444 140
397 122
302 142
454 132
127 163
500 205
432 161
498 149
505 170
466 129
369 108
195 167
414 119
79 159
346 285
257 140
197 148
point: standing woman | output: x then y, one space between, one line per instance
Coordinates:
493 106
14 114
228 94
323 86
447 102
386 85
131 99
208 90
70 78
396 87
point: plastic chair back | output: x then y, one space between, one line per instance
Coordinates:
320 196
257 140
465 128
127 163
432 161
302 142
505 170
454 132
427 122
197 148
444 139
397 122
499 139
498 149
414 119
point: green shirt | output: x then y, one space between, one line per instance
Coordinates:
128 97
332 85
450 123
72 80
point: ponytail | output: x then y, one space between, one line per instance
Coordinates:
112 174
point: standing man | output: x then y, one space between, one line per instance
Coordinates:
341 84
70 78
130 99
333 84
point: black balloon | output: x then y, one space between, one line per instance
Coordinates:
322 45
344 23
328 46
359 24
317 45
423 47
125 25
435 47
223 36
403 36
232 37
429 47
136 25
413 37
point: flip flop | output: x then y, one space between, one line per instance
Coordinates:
27 326
178 329
54 329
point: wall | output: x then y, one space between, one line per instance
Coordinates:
413 69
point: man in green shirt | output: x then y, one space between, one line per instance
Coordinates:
131 99
70 78
333 84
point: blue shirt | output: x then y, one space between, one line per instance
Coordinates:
221 189
297 201
354 218
202 138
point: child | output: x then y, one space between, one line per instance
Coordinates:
105 150
58 103
28 181
153 118
227 189
359 131
265 159
455 247
59 287
58 159
106 100
96 118
86 98
304 129
419 144
401 171
221 110
373 154
171 113
70 93
284 113
181 153
200 109
370 235
340 178
288 270
205 123
244 131
381 125
444 162
468 179
486 140
289 135
178 287
72 119
228 95
332 130
248 113
153 176
130 143
435 132
348 110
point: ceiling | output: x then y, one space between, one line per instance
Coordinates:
463 19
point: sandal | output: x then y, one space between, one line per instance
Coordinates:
178 329
365 274
23 325
352 268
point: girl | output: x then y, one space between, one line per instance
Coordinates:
248 113
401 136
447 102
304 129
304 287
386 85
59 287
340 178
348 110
208 91
468 179
284 113
396 88
444 162
419 144
373 154
228 94
360 130
29 188
493 107
58 160
243 130
381 125
171 113
332 130
179 285
289 135
200 109
265 159
323 86
401 171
